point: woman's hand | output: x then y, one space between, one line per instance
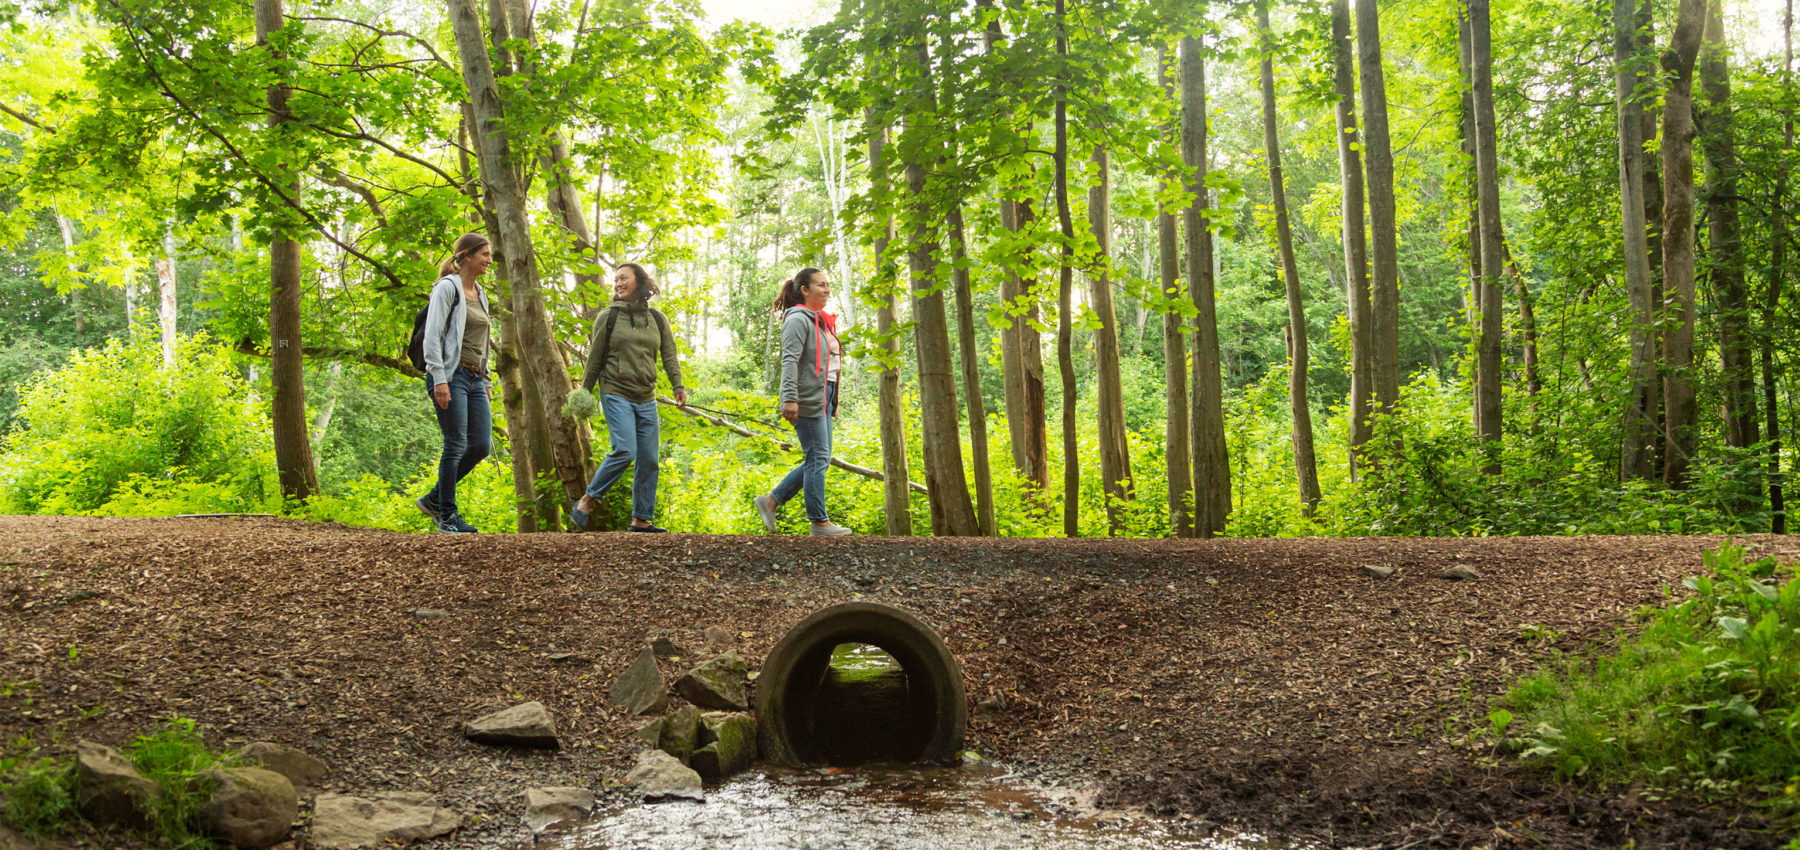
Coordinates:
441 395
790 410
681 397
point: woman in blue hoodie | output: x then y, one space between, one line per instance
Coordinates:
810 361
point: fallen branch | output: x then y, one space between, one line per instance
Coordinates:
740 430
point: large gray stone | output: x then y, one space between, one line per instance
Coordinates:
729 745
251 807
527 724
299 768
641 689
1460 573
109 789
343 821
681 733
552 808
660 776
721 684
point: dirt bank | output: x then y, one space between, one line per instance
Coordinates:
1268 684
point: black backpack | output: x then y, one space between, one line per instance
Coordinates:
415 344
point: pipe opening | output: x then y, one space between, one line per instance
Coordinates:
862 707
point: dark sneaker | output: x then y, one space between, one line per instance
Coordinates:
454 524
765 508
425 506
650 529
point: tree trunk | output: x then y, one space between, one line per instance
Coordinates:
1723 241
1306 469
165 285
1679 439
1212 465
1487 182
537 342
1528 336
1115 456
947 487
1065 356
1637 458
1384 329
1649 83
1176 456
896 500
1772 296
971 375
67 229
287 403
1356 250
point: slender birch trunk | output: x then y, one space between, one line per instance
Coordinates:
165 285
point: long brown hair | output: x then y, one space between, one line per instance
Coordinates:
646 285
468 244
793 290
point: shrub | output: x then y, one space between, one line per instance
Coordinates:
37 795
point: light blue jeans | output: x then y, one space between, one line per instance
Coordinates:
634 430
815 439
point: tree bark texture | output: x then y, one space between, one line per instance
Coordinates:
1487 191
971 375
165 305
1679 439
1772 294
1115 455
1176 455
1356 247
1306 470
537 341
1722 234
1065 304
1378 158
287 403
1212 465
947 487
1637 456
896 500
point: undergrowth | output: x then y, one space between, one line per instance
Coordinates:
1706 699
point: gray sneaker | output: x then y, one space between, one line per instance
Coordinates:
765 507
829 529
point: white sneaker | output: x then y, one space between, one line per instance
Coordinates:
828 529
765 507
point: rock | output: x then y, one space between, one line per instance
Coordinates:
730 745
665 648
1459 573
716 638
640 689
681 733
651 733
659 776
299 768
1377 572
344 821
109 789
527 724
567 657
427 613
721 684
553 808
252 807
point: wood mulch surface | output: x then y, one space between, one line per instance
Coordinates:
1267 685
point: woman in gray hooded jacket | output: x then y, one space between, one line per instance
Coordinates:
456 374
810 361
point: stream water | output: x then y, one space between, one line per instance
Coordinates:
877 805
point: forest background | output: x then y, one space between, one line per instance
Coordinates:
1515 267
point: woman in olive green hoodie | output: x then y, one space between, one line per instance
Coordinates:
622 361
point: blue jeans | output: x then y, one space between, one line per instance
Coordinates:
467 424
815 439
634 430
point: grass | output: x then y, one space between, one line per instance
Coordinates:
37 792
1706 699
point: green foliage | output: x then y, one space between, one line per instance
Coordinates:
116 432
1707 698
37 793
176 758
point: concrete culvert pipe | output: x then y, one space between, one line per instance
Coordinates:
919 717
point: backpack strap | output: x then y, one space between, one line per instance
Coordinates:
612 318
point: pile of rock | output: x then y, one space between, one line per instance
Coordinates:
711 738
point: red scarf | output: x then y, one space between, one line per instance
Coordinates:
825 323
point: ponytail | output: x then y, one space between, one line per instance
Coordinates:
467 244
793 290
